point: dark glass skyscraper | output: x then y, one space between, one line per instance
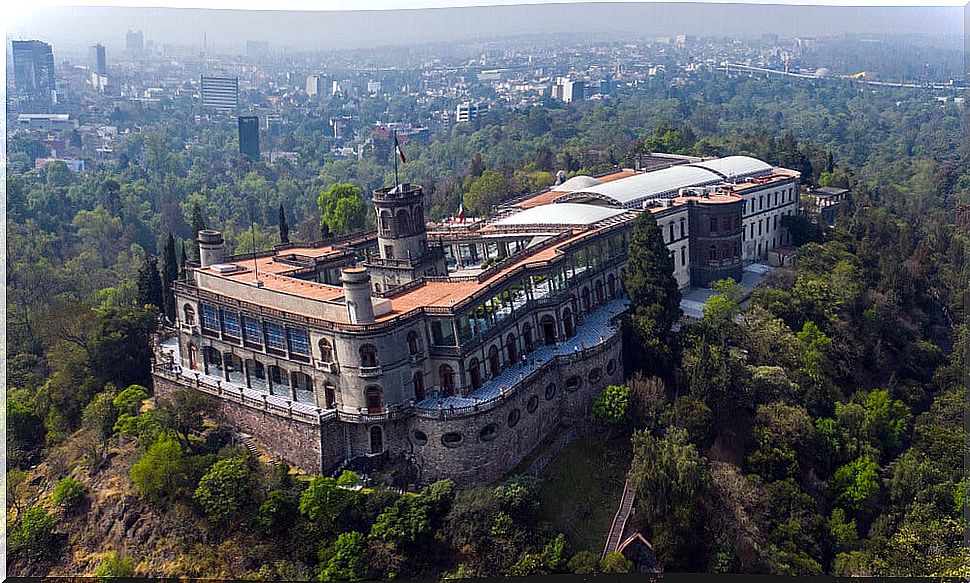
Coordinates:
249 137
33 68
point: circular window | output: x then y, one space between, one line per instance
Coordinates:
595 375
489 432
452 439
611 367
550 391
420 437
514 417
533 403
573 383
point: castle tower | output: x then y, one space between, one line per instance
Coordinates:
402 240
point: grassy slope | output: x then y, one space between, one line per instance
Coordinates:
581 488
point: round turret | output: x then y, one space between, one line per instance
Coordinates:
212 248
360 306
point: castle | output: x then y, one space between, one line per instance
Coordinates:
457 348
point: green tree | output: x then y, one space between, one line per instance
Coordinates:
612 405
855 483
32 536
161 473
486 191
284 227
100 231
653 291
323 501
529 564
68 493
150 290
277 512
183 414
341 209
668 471
226 488
345 559
886 419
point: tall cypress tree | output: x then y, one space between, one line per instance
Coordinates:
284 228
184 259
655 297
170 273
150 284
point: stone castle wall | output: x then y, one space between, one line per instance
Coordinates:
491 443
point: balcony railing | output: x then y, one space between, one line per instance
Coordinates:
368 372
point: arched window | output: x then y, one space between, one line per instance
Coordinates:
418 386
585 296
599 291
446 376
385 223
548 324
376 440
368 356
418 218
372 395
326 350
712 253
189 312
726 250
494 363
330 395
611 285
193 357
475 372
403 222
234 368
414 346
213 359
510 349
567 322
527 336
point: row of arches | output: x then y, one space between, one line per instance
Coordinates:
401 223
252 373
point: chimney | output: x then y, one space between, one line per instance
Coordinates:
212 248
360 306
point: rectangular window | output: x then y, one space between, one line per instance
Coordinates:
275 338
726 224
210 319
299 341
252 331
671 231
713 224
683 256
230 324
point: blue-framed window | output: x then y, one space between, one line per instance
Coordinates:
252 331
299 341
210 318
275 337
230 324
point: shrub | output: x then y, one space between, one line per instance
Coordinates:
114 565
68 493
616 563
584 563
32 537
160 473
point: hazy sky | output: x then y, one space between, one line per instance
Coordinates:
360 28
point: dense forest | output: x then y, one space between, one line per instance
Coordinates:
814 428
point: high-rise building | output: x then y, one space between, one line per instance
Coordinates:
99 64
249 136
33 68
313 84
470 111
573 91
135 43
221 93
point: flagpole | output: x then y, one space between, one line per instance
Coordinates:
397 181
